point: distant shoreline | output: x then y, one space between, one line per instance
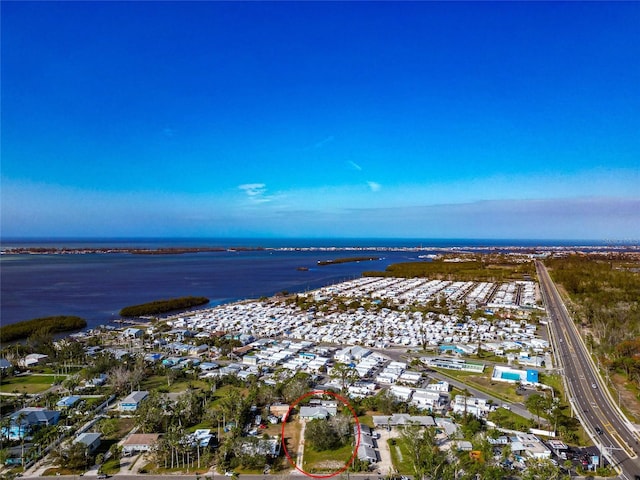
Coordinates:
41 250
346 260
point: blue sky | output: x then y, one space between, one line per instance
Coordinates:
347 119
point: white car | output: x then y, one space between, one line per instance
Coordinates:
593 385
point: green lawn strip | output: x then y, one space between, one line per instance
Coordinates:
224 391
155 382
249 471
200 426
510 420
495 389
111 466
153 469
554 381
366 420
313 459
401 461
28 383
61 471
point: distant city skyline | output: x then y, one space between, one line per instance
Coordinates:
321 119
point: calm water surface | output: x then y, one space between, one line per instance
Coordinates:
97 286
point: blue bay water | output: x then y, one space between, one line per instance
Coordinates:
96 286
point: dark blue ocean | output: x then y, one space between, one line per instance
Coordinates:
95 286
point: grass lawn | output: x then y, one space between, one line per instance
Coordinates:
504 391
457 374
124 426
366 420
224 391
554 381
326 460
28 383
508 419
400 456
160 381
111 466
154 469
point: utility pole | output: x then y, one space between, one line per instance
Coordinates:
608 449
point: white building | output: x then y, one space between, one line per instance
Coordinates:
430 399
478 407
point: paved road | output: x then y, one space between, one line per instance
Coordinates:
517 408
609 429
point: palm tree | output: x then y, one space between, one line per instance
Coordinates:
20 422
71 383
345 374
215 415
5 428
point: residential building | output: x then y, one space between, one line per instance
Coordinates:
367 454
139 442
131 402
68 402
314 413
33 359
402 419
478 407
27 420
90 440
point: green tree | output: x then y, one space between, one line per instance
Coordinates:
345 374
73 456
71 383
542 468
296 387
189 407
320 435
109 426
427 459
152 413
537 404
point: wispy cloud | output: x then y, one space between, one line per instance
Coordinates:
354 165
253 189
374 186
256 192
324 141
30 209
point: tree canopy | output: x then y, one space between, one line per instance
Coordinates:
163 306
55 324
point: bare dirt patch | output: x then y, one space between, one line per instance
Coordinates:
628 396
292 431
330 465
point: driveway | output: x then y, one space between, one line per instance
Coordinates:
385 465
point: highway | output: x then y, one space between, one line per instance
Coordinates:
592 404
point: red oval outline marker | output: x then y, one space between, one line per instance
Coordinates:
286 417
